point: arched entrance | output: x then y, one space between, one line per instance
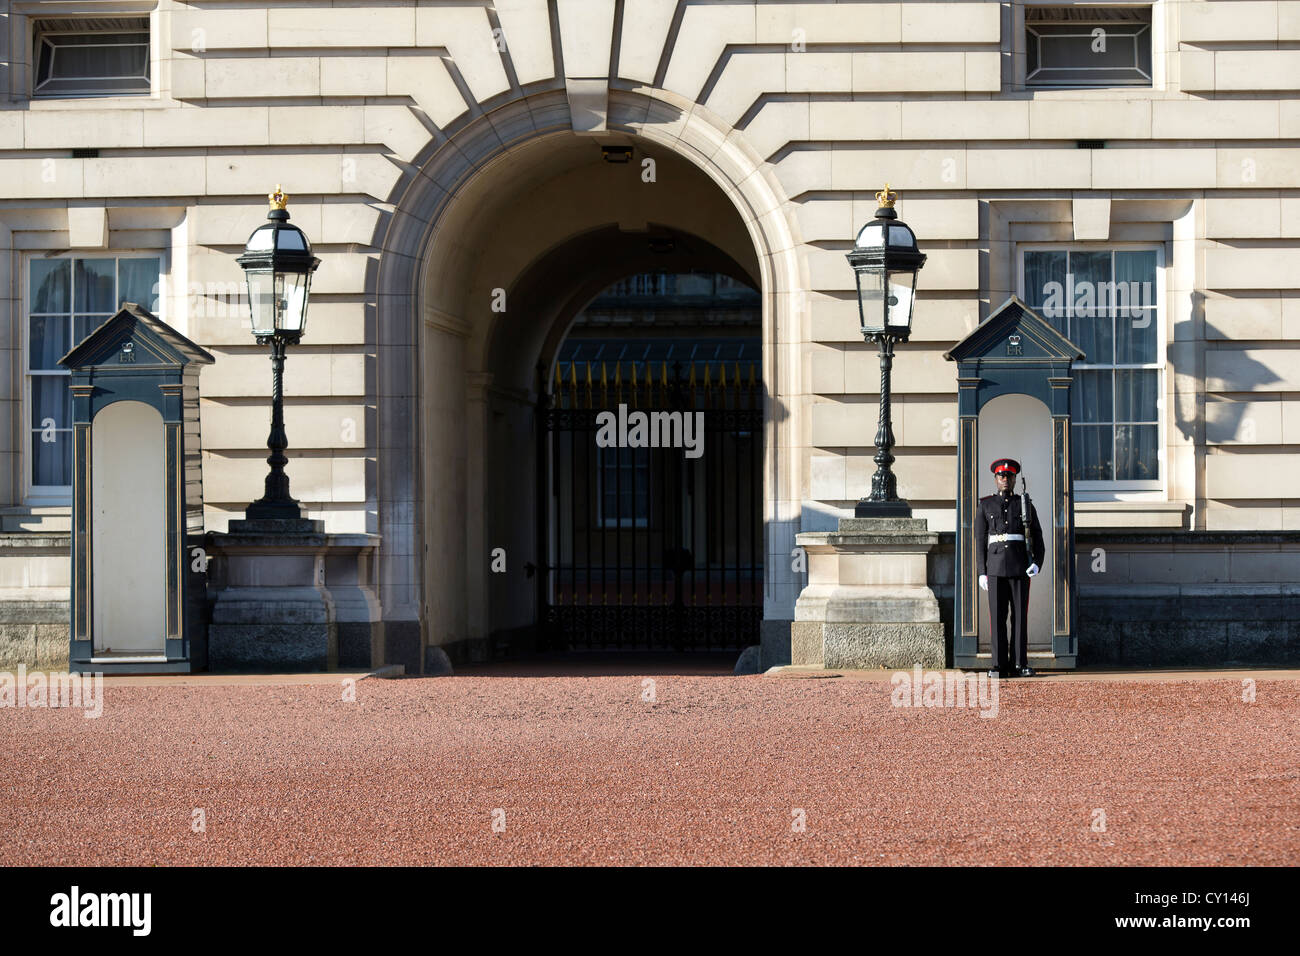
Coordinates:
506 247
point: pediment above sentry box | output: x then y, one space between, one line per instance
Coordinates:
134 337
1014 333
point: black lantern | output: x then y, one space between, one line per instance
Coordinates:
278 264
885 260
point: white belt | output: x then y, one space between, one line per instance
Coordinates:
1006 537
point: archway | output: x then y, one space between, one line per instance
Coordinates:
511 244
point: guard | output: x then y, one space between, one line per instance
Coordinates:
1002 525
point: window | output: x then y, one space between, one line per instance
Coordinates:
67 299
1087 46
1106 302
91 57
624 487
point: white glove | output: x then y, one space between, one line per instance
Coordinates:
984 582
1033 569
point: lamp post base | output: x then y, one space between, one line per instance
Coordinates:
897 508
276 526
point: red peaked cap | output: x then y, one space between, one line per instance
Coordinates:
1005 464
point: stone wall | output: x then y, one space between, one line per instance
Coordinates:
354 107
35 612
1190 598
1173 599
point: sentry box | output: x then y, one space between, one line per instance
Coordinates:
138 571
1014 374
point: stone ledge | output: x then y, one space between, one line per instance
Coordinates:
883 525
252 606
1085 538
1130 514
291 542
36 541
847 603
877 542
1175 590
28 611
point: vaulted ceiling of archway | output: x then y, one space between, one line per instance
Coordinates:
552 223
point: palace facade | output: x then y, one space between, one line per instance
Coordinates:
527 211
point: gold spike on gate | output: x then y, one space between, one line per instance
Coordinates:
633 385
604 386
589 385
690 390
618 382
663 385
573 383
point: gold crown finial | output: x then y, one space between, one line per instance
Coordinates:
278 199
886 197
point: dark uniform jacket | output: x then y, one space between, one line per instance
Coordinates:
1001 514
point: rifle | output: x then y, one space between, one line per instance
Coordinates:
1024 519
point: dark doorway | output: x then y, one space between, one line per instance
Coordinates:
655 548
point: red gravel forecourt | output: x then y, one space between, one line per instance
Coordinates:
713 770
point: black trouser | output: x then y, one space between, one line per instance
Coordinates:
1009 594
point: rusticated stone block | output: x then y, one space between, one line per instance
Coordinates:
889 645
52 644
293 647
355 639
17 645
806 643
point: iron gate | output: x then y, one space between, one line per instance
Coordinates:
650 548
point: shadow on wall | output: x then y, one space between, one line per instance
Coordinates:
1225 421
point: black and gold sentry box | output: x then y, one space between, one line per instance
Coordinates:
138 569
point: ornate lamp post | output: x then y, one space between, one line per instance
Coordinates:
886 261
278 265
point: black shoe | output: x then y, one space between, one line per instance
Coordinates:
994 672
1026 672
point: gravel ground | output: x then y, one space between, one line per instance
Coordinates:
582 770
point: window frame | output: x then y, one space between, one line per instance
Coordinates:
617 521
1161 32
38 35
22 37
1087 26
32 494
1117 490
